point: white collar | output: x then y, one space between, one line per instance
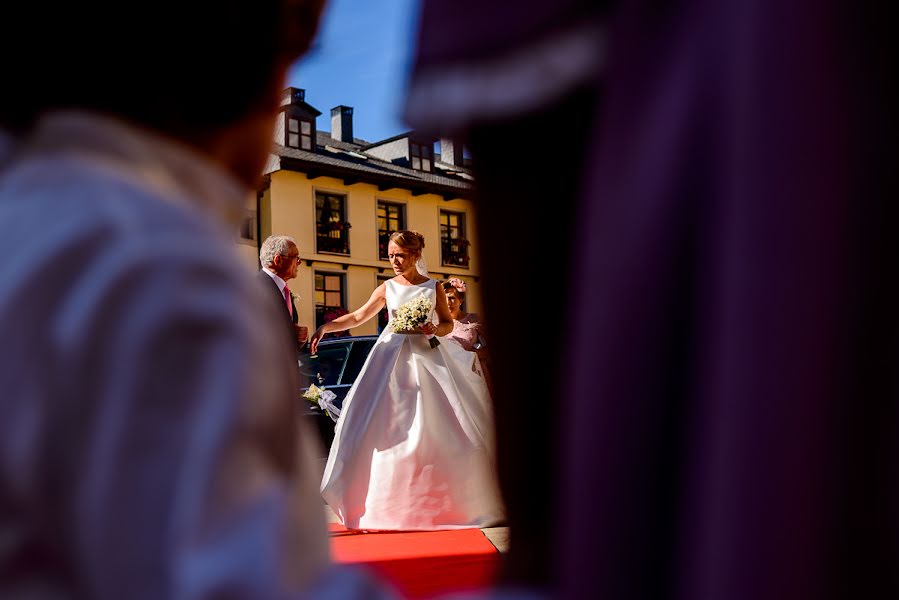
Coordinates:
278 281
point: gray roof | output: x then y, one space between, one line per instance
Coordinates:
323 138
332 158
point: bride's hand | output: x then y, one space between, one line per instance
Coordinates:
313 343
428 328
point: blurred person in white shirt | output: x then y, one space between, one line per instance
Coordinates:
149 445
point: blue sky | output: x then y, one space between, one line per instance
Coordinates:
361 58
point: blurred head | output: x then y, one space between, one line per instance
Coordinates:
403 250
208 73
455 296
280 254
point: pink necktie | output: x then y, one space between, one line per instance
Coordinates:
287 299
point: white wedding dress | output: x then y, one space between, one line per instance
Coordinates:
413 447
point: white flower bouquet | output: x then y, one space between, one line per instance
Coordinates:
412 314
324 399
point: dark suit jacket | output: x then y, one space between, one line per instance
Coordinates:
272 292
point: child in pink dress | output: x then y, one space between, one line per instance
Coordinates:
468 331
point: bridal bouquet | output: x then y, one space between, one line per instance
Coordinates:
413 313
324 399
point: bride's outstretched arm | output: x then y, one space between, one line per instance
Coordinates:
359 316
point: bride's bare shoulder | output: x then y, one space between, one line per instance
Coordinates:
380 291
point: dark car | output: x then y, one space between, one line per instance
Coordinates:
334 367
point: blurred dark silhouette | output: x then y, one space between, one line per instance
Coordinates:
148 445
722 256
520 84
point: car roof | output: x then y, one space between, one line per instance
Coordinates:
347 338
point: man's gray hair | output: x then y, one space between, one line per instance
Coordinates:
272 247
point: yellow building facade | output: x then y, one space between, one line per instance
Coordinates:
341 198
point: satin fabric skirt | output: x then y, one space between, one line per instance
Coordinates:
413 448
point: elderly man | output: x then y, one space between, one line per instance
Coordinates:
280 259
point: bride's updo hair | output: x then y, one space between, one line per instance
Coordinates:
410 240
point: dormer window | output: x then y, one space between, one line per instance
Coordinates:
299 133
422 155
297 130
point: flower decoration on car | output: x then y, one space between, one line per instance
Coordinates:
324 399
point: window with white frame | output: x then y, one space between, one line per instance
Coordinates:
330 296
391 218
453 241
332 228
421 156
299 133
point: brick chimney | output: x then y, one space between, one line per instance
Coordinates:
342 123
451 152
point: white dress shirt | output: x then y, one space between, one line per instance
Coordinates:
148 441
278 281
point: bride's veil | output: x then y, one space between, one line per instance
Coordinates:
422 267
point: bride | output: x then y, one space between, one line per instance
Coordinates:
413 447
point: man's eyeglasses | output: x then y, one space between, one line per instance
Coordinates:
292 257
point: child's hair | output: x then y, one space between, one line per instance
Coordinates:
454 283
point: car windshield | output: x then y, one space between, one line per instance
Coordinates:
325 367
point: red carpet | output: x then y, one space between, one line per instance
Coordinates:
422 563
